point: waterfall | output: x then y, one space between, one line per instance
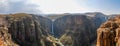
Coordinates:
52 26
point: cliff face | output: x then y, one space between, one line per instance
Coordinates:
78 29
32 30
108 33
97 18
5 37
75 30
25 30
45 23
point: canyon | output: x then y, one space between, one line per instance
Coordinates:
67 29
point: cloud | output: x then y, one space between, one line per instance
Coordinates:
3 6
16 6
58 6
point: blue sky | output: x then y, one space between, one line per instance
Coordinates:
105 6
60 6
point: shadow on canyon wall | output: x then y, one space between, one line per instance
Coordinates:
33 30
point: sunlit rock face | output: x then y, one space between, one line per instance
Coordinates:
75 30
25 30
108 33
5 37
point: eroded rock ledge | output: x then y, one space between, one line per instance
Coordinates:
109 33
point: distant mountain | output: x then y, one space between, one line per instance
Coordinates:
97 18
54 16
112 16
90 14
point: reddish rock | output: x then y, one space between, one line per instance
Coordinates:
108 33
5 36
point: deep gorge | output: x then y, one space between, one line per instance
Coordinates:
67 30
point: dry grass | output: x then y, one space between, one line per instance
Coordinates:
18 16
66 40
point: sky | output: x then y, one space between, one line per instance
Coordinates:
60 6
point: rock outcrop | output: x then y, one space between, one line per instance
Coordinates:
109 33
5 37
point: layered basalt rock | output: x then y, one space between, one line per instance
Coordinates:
5 37
75 30
108 33
31 30
25 30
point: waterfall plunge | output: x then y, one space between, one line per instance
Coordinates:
53 26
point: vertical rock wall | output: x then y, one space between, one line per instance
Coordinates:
25 30
75 30
108 34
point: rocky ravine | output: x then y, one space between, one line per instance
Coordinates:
31 30
109 33
77 29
